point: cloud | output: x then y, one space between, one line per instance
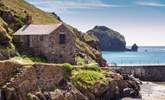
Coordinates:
150 4
58 5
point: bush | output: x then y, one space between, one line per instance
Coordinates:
93 67
68 67
87 78
28 59
80 60
29 96
10 46
37 58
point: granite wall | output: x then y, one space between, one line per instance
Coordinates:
143 72
16 81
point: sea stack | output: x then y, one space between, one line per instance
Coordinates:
134 47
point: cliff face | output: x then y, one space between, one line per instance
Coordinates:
108 40
7 49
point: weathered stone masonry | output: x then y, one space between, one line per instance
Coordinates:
57 46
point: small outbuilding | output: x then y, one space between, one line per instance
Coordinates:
54 41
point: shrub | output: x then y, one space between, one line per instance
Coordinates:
87 78
37 58
93 67
28 59
80 60
10 46
29 96
68 67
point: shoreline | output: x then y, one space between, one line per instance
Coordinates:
122 65
150 91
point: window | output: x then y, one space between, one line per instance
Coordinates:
60 56
41 38
62 38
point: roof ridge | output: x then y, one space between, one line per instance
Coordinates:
38 29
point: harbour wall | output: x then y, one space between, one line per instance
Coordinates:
143 72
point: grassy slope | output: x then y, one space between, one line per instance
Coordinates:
2 22
39 16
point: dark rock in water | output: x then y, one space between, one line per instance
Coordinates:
107 39
134 47
128 92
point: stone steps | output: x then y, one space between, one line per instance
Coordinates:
8 83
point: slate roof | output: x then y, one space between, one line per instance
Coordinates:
34 29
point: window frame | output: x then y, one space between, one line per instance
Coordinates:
62 38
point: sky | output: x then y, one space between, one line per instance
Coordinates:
140 21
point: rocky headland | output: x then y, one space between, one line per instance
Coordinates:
106 39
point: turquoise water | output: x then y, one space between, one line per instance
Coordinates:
145 55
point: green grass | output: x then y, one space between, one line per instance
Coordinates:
29 96
87 78
92 67
21 6
80 60
9 47
89 37
28 59
68 67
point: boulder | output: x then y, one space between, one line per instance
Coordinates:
71 94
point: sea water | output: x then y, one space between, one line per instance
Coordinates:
145 55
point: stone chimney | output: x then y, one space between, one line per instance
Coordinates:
28 20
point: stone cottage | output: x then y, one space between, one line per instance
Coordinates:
54 41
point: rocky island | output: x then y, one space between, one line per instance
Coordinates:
107 39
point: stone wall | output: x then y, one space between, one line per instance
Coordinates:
144 72
7 70
49 46
38 77
57 52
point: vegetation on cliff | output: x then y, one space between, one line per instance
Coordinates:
87 76
21 8
5 40
28 59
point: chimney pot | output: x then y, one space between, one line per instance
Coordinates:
28 20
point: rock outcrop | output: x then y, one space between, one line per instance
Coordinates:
6 47
106 39
52 82
7 71
134 47
5 39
